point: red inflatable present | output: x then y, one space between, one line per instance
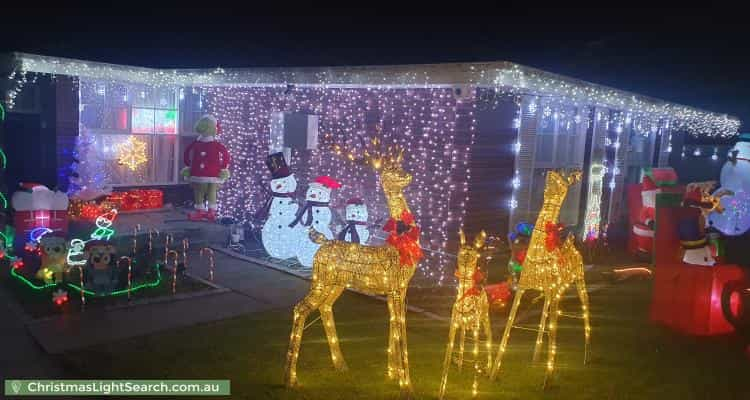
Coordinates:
686 298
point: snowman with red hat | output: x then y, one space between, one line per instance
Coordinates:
316 214
355 230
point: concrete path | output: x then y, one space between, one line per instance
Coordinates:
21 356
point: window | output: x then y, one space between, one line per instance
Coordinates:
150 115
560 142
640 153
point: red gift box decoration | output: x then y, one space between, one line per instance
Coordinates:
137 199
38 207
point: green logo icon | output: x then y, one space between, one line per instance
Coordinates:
16 386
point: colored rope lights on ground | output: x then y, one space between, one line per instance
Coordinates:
502 76
120 292
29 283
87 292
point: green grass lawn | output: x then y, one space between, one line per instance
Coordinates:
632 359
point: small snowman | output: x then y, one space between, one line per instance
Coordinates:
355 230
280 210
315 214
734 191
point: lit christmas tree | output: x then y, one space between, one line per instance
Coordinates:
88 176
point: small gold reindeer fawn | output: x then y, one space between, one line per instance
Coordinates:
550 271
470 311
338 265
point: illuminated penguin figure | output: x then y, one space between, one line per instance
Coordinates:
315 214
279 239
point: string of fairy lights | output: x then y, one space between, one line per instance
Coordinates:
422 121
505 77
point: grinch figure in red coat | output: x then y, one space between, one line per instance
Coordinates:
206 163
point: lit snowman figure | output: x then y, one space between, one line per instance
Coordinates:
315 214
280 210
735 191
355 230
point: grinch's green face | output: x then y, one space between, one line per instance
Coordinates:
206 127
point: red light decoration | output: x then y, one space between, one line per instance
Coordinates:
59 297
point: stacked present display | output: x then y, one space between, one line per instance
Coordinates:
137 199
643 206
131 200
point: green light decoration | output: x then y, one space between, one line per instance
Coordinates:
3 200
3 159
133 289
87 292
31 284
2 114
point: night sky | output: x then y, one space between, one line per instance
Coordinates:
694 57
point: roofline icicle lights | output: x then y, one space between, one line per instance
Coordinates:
502 76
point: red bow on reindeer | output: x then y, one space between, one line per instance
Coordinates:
403 234
552 239
475 289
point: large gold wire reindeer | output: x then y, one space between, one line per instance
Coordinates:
471 311
338 265
550 267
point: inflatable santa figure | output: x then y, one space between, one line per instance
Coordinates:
654 182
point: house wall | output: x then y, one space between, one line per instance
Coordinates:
432 125
492 165
30 143
692 168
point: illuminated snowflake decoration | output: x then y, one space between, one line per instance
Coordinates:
132 153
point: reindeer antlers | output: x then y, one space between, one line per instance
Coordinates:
374 155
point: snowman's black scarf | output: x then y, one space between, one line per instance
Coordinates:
262 214
351 228
307 212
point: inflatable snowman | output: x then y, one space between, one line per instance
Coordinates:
735 187
280 209
315 214
355 230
